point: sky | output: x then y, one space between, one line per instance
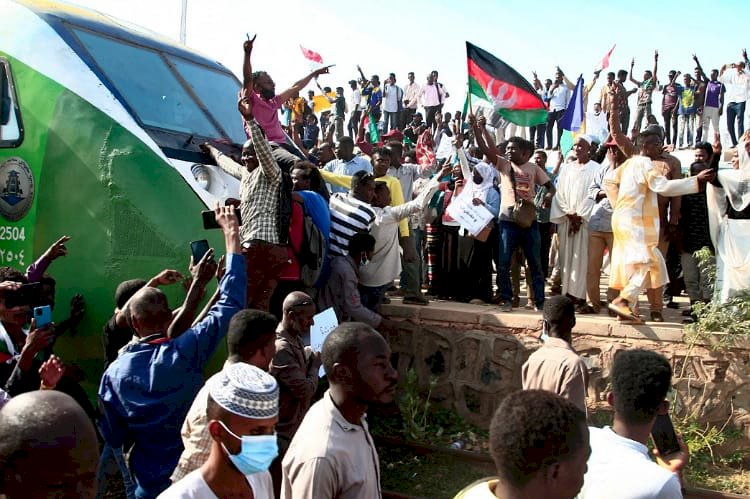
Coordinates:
421 35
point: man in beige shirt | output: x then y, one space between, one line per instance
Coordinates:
332 455
250 339
556 367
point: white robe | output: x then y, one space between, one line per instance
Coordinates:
572 198
632 190
731 237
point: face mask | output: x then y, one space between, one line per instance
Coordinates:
363 261
256 454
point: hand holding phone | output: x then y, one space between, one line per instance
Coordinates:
664 436
42 316
209 220
204 269
198 249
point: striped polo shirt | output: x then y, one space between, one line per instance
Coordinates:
349 216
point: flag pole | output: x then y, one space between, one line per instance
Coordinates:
183 23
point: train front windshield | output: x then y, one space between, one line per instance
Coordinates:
167 92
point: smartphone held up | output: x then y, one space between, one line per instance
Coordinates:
209 219
664 436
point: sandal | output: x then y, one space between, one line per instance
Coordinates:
624 312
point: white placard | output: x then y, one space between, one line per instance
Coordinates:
325 322
445 148
472 217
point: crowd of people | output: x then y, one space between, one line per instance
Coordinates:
334 209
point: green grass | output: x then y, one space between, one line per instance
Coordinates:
433 475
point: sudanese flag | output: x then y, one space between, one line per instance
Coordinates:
512 96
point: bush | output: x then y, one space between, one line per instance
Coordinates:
719 324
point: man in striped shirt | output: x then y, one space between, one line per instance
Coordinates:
351 212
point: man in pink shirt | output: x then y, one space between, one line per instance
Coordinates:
261 90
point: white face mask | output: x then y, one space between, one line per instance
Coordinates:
363 261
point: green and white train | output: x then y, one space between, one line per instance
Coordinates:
100 126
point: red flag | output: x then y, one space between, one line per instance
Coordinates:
605 60
309 54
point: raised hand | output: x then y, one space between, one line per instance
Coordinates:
632 63
77 308
167 277
656 54
247 45
323 70
57 249
51 372
716 145
445 171
226 218
458 138
205 268
244 106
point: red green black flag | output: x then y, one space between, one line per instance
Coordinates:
512 96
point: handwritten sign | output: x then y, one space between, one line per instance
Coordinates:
325 322
473 218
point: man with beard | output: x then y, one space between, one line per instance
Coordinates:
333 454
261 91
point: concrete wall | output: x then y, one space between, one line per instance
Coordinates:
476 355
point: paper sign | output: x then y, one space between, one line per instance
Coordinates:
472 218
325 322
445 148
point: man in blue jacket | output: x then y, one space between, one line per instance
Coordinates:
145 394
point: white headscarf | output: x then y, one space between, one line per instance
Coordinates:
734 190
480 191
732 257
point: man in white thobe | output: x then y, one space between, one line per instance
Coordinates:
571 208
632 190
